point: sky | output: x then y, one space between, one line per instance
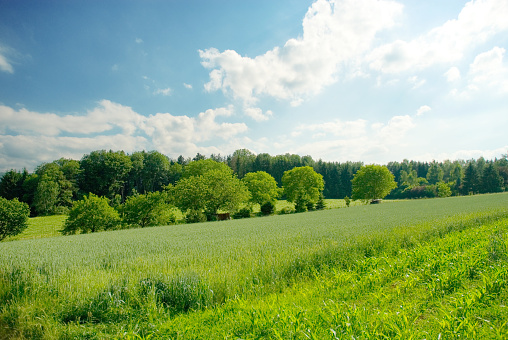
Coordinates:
339 80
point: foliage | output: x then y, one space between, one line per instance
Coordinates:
13 217
372 182
46 196
11 184
91 214
302 185
320 204
215 189
443 189
262 187
471 181
242 213
375 269
146 210
202 166
491 180
267 208
104 173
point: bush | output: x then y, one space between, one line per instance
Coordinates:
91 214
242 213
320 205
13 217
286 210
267 208
146 210
194 216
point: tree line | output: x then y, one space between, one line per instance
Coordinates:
53 187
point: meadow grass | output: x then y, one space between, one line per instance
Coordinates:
41 227
131 282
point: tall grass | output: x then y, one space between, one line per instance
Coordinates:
133 278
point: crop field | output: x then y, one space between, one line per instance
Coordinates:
405 269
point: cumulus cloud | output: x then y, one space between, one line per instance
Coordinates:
164 92
37 137
489 70
335 32
187 86
422 109
478 21
354 140
257 114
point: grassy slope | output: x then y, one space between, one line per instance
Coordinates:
50 226
447 288
122 281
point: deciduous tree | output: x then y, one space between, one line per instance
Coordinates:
13 217
91 214
372 182
302 186
262 187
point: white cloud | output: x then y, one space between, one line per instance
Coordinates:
478 21
187 86
164 92
489 70
139 40
28 138
257 114
354 140
422 109
453 74
5 64
416 82
334 32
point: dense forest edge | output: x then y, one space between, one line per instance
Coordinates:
53 187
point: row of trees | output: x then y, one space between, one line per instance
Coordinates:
53 187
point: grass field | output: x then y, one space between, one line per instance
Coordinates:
326 274
50 226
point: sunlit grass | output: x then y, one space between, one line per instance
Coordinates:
134 281
41 227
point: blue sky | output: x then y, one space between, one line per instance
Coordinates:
360 80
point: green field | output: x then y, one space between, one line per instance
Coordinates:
296 276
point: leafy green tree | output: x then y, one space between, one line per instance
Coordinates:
262 186
104 173
491 181
11 184
242 162
46 196
91 214
13 217
372 182
435 173
146 210
214 190
444 189
302 186
200 167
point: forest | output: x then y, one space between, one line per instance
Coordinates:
53 187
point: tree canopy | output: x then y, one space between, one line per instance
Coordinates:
372 182
262 186
91 214
13 217
302 186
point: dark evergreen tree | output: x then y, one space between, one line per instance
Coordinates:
471 180
491 181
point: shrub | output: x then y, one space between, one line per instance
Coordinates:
267 208
320 205
286 210
194 216
91 214
13 217
242 213
146 210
